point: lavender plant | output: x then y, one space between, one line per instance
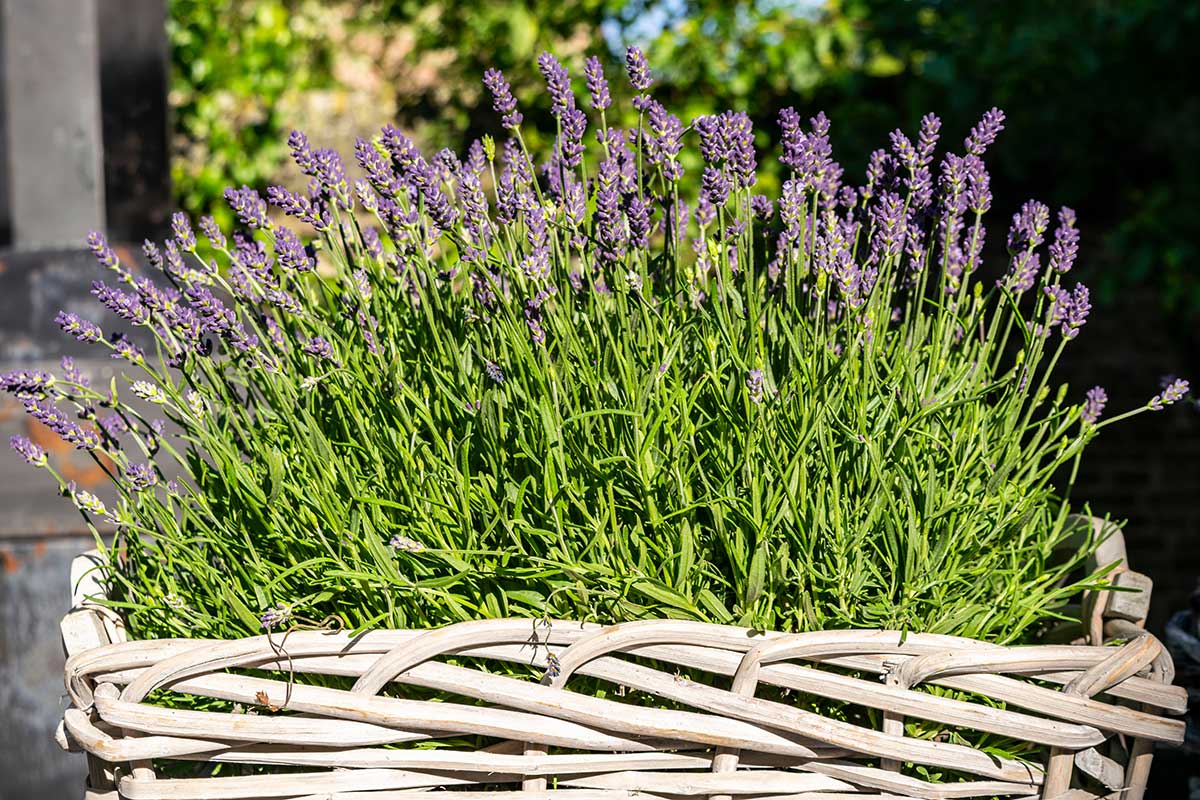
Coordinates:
473 385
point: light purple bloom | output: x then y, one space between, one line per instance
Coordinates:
26 449
181 227
274 617
212 232
249 207
1065 247
638 69
984 134
302 153
103 253
1097 398
597 84
558 82
754 383
82 329
318 347
1077 314
502 98
1173 393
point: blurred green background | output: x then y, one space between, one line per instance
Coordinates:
1100 96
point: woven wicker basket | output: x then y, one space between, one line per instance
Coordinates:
1095 710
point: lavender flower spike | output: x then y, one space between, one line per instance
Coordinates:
638 68
318 347
181 227
1077 313
754 384
984 134
502 98
141 477
558 81
275 616
1066 242
26 449
103 253
1097 398
597 84
1173 393
249 207
82 329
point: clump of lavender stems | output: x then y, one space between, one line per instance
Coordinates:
586 383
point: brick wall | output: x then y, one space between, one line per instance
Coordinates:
1145 470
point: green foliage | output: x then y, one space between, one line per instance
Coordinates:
656 435
232 63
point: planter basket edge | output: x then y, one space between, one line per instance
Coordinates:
1097 710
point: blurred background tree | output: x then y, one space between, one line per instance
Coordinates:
1102 112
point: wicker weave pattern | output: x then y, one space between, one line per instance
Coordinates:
702 740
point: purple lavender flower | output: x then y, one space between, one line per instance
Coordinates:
298 206
1066 242
536 264
34 456
476 157
979 192
906 154
493 371
317 347
762 207
665 140
810 155
638 69
123 348
82 329
570 144
103 253
1173 393
1028 226
275 333
212 232
181 227
927 139
610 223
302 153
330 175
372 243
1097 398
448 164
32 382
48 414
1022 273
249 207
274 617
558 81
714 187
533 320
754 383
404 544
125 305
70 431
888 227
1060 304
72 373
502 98
1077 314
984 134
638 211
597 84
291 252
214 317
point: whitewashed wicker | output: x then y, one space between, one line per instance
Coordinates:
1096 710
